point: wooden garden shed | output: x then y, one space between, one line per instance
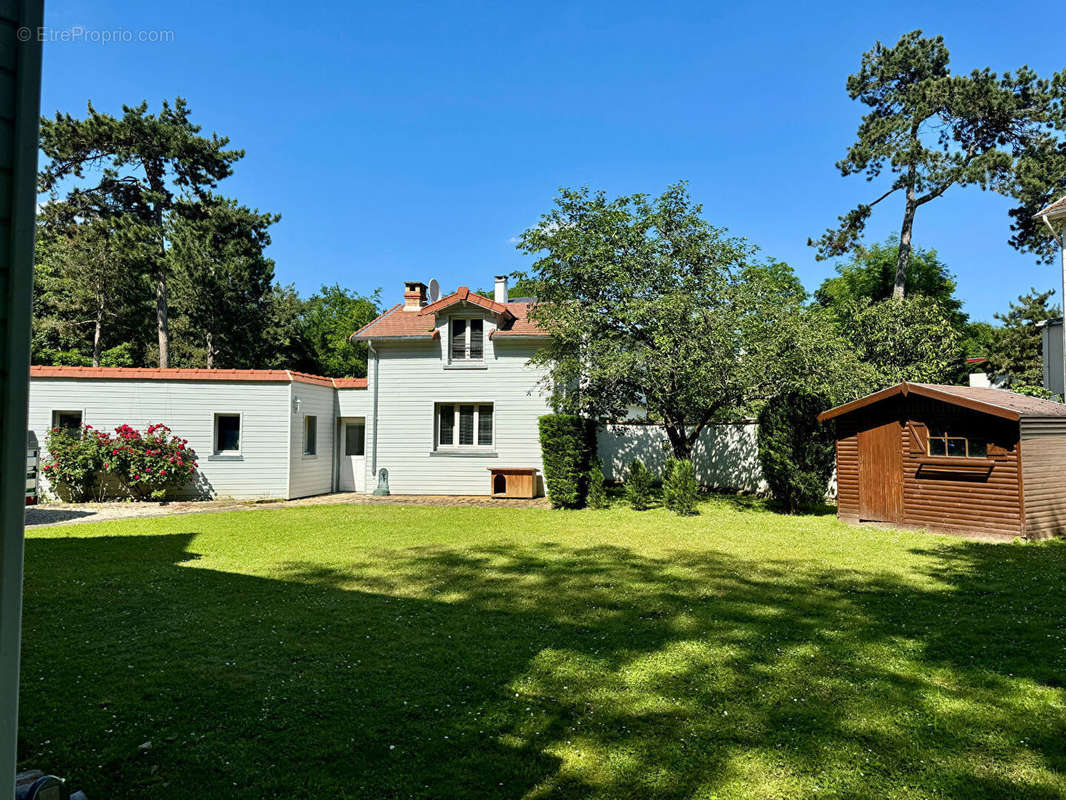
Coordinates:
953 458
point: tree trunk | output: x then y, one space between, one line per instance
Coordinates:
98 335
678 441
903 257
161 318
210 351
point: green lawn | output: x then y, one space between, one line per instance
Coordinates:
380 651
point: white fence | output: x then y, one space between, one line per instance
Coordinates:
726 456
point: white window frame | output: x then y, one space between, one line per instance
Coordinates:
240 433
310 453
466 359
454 405
57 411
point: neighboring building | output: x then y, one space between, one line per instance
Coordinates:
1051 341
954 458
256 433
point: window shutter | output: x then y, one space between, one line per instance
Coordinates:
447 425
484 426
918 435
477 347
466 425
458 339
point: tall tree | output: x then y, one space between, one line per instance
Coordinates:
88 273
223 282
1017 352
329 317
142 161
931 130
647 304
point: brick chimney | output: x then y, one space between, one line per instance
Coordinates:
500 295
414 295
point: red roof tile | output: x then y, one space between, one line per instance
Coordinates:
464 295
399 324
236 375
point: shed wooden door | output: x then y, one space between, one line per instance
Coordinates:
881 473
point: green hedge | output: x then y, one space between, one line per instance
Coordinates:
680 487
639 486
567 442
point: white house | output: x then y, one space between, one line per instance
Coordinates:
450 396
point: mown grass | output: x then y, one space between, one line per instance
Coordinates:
361 651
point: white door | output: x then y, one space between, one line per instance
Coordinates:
353 456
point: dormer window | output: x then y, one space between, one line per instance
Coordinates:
467 339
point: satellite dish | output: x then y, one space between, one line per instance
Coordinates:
434 290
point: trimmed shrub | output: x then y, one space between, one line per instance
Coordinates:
795 450
76 462
597 492
638 486
680 488
566 445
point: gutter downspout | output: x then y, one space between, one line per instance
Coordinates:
372 483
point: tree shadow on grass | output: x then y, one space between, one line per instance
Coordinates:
541 670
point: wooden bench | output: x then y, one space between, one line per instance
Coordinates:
513 481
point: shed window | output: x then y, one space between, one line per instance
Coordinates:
227 433
942 443
310 435
464 425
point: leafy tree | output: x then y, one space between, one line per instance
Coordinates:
648 305
930 130
904 339
142 161
871 275
796 452
638 486
222 281
328 320
1018 347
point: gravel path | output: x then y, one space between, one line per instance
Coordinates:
71 513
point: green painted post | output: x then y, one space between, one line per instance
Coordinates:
20 103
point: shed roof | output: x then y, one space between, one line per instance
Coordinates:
233 375
997 402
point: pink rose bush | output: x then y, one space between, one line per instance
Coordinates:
141 466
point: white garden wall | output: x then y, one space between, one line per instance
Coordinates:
726 456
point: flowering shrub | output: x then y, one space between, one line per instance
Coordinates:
150 464
140 466
76 462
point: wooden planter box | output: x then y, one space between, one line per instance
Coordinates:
513 482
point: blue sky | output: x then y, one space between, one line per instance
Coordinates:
410 141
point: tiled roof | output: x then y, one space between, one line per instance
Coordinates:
997 402
1056 209
233 375
399 324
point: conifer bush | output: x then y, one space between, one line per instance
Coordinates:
638 486
796 451
566 446
597 487
680 488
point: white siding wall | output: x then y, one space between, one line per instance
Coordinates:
412 379
726 456
313 474
353 402
188 408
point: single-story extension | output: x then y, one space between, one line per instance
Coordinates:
952 458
